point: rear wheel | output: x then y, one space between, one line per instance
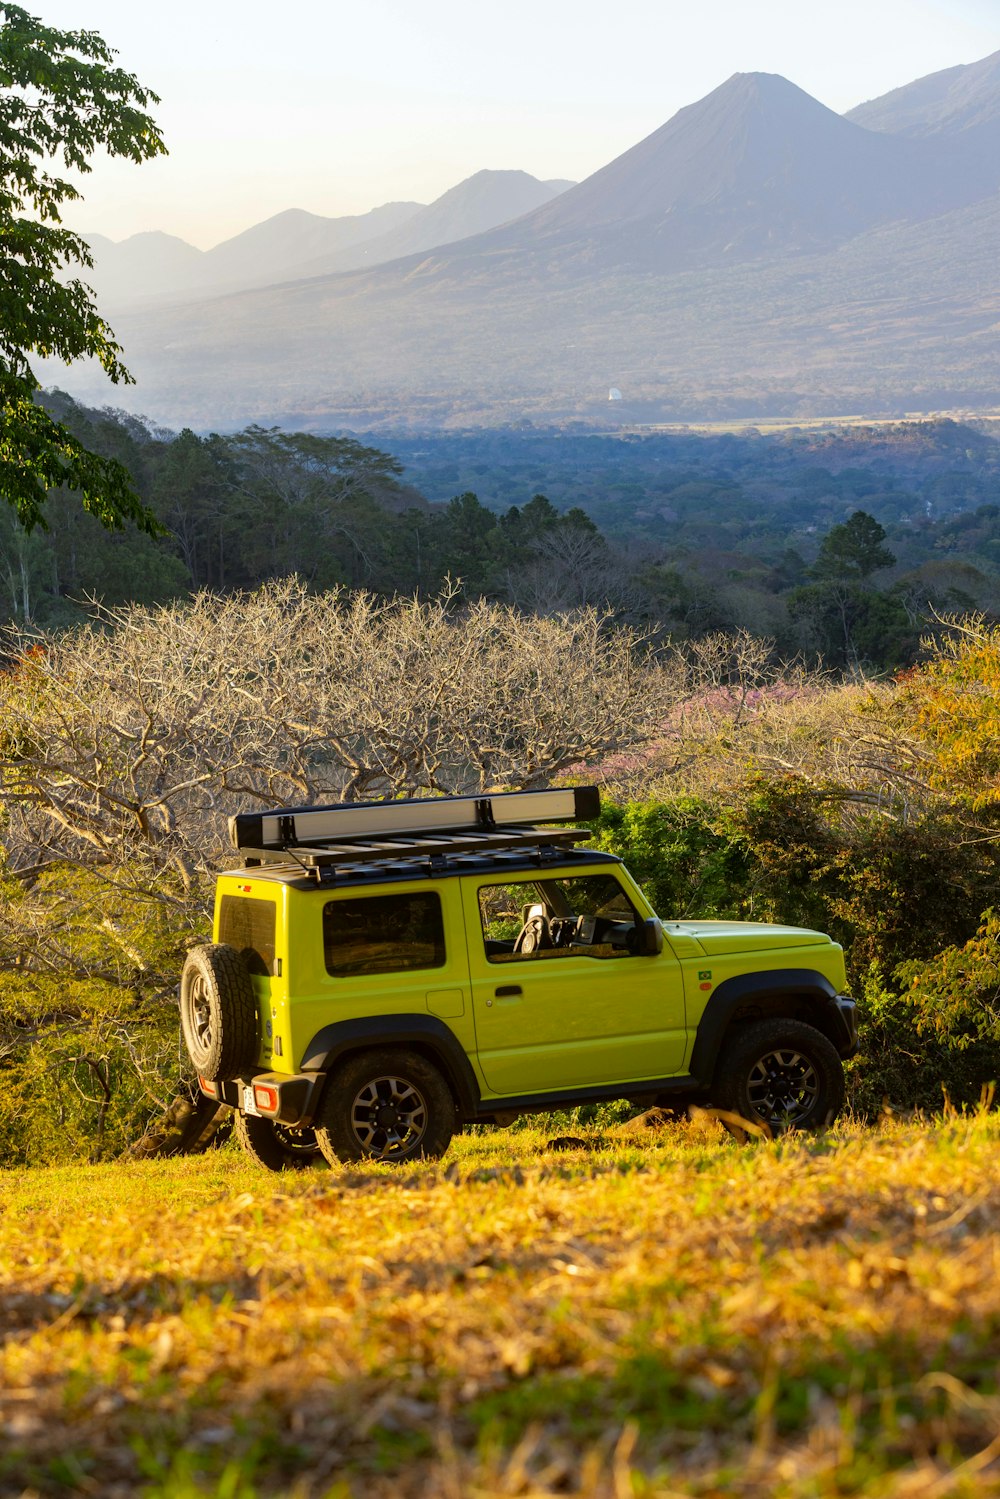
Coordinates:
276 1146
385 1106
781 1071
218 1012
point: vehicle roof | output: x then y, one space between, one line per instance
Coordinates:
546 861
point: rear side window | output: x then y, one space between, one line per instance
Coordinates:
383 934
248 925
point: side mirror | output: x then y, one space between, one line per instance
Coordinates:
651 937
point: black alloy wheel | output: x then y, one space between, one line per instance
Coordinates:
783 1072
386 1105
783 1087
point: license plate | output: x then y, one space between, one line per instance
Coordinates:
249 1106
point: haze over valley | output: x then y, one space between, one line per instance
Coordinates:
757 254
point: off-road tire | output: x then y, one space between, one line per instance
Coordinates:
275 1145
781 1071
218 1012
385 1105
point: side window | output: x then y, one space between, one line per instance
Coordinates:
248 925
383 934
584 916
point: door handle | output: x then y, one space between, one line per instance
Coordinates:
505 991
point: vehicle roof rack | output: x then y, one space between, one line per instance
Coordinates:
345 822
434 829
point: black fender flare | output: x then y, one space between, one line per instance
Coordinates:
425 1032
744 989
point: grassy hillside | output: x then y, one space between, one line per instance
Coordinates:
659 1314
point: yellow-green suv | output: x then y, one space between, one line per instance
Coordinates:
384 973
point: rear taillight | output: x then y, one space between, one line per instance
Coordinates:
265 1097
208 1087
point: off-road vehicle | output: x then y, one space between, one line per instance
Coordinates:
384 973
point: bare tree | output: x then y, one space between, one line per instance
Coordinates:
127 743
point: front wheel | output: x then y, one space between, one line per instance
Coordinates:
274 1145
385 1106
780 1071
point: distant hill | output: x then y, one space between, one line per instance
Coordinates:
478 204
153 262
957 101
263 253
757 254
295 244
155 265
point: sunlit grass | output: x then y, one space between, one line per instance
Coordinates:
657 1313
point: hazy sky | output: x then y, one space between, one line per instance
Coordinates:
337 107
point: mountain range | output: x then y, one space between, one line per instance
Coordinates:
295 244
756 254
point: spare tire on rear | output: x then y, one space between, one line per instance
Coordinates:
218 1012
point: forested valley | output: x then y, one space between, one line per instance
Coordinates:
310 626
839 546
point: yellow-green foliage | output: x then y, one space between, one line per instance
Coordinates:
89 1046
86 1068
956 995
659 1314
952 703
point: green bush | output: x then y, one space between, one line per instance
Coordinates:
87 1065
903 1063
684 863
904 897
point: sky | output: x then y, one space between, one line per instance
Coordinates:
337 107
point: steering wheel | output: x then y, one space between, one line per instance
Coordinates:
535 932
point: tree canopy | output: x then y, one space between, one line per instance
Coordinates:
61 100
854 550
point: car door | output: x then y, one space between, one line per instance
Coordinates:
561 999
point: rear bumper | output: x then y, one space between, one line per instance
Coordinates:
295 1098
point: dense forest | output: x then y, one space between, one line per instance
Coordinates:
682 532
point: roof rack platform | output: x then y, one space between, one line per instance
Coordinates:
314 859
349 823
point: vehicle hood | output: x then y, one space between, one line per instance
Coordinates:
746 936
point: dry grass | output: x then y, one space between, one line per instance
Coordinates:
652 1316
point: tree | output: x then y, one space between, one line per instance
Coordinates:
124 747
307 505
840 615
61 99
853 551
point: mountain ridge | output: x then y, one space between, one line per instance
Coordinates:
473 206
756 252
295 244
811 178
952 101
